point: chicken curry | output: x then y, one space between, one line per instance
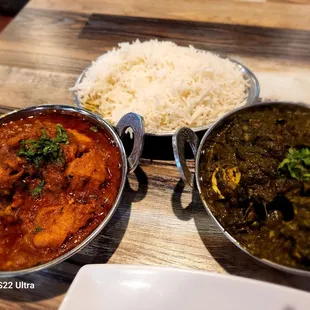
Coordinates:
255 178
59 177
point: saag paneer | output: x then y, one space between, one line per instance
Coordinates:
255 178
58 180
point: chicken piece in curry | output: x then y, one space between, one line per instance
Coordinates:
255 178
59 177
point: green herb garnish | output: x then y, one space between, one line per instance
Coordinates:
297 164
37 190
37 230
61 135
94 128
45 149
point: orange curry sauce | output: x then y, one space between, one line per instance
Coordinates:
75 193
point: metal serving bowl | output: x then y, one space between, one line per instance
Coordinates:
186 135
129 163
164 138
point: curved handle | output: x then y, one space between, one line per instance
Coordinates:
136 123
181 136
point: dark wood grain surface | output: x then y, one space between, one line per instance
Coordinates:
159 221
293 14
217 37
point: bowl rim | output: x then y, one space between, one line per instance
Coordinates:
97 120
218 123
254 89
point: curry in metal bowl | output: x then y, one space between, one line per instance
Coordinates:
252 170
255 178
62 173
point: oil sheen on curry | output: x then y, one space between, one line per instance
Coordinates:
59 177
255 178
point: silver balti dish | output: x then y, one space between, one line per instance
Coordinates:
128 163
185 136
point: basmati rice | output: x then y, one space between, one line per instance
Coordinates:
169 85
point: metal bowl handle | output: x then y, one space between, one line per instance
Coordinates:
180 137
136 123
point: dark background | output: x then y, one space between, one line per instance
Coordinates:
8 9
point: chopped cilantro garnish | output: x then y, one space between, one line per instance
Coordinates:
37 190
37 230
94 128
297 164
44 149
62 136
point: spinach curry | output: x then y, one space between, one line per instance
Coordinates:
255 178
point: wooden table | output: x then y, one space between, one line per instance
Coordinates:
159 222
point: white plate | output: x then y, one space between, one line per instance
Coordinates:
118 287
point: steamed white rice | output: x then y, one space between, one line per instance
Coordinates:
169 85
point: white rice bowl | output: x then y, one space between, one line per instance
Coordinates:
169 85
